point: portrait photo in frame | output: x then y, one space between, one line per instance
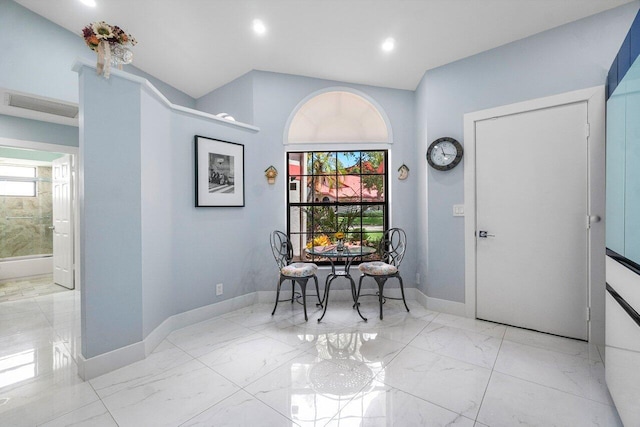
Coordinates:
219 172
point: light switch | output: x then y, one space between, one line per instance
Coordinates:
458 210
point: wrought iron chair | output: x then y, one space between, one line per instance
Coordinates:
297 272
392 249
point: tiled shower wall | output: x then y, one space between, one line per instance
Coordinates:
25 221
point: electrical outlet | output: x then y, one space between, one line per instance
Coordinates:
219 289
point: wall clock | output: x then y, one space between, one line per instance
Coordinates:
444 154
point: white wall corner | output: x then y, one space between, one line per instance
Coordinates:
107 362
440 305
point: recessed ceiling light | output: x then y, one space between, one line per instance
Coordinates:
259 27
90 3
389 44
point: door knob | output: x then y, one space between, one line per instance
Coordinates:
594 219
484 234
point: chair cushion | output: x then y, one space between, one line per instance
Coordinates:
299 269
377 268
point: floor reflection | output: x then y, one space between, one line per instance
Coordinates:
248 368
24 365
18 367
35 335
344 368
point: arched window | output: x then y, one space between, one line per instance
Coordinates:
337 116
337 190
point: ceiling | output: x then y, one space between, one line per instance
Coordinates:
199 45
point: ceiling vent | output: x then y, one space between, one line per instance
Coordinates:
41 105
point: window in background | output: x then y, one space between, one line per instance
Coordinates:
17 181
336 191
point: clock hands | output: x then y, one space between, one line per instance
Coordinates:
446 155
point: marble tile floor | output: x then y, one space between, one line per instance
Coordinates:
247 368
28 287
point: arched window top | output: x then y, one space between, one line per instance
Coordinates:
337 116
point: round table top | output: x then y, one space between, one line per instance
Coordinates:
331 251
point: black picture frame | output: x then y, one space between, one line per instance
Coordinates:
219 173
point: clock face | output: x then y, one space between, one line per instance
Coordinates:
444 154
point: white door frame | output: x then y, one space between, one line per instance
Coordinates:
57 148
595 98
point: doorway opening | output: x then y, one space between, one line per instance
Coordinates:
37 213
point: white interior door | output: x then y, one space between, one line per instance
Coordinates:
62 222
531 200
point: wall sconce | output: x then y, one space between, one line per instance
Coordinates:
403 172
271 174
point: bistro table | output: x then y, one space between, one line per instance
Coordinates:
349 254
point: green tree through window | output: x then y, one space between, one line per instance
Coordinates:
336 191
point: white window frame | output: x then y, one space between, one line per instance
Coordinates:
6 179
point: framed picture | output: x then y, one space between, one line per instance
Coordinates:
219 173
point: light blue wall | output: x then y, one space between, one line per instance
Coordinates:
38 55
210 245
110 208
156 212
148 253
28 65
35 130
174 95
570 57
275 97
234 98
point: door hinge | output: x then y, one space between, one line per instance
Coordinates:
587 130
588 314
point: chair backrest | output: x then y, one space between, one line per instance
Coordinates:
393 246
281 248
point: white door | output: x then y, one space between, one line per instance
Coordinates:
531 189
62 222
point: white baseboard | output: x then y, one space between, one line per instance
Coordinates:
212 310
156 336
419 297
441 305
107 362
